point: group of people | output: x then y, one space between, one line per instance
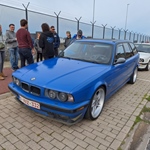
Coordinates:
21 44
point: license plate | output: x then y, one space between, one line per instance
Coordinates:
30 103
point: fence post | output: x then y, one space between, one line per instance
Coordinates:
133 36
26 12
143 38
93 23
119 33
130 35
140 37
104 26
112 34
137 37
78 21
125 32
57 15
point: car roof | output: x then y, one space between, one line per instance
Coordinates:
107 41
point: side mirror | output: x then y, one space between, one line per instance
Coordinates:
120 61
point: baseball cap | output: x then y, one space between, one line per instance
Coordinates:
79 32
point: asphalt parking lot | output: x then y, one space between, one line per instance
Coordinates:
22 129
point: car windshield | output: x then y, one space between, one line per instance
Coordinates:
94 52
143 48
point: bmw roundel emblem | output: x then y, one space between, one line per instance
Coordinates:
32 79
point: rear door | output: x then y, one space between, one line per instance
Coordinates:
118 72
130 60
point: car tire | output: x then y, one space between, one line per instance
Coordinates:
134 76
148 66
96 104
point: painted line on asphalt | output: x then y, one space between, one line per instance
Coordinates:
143 80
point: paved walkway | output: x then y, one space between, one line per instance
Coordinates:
22 129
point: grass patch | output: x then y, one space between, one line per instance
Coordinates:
145 96
119 148
145 109
137 120
148 98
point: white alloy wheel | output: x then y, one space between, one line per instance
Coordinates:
97 103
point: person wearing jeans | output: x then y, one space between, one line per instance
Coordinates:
12 46
25 44
14 58
25 54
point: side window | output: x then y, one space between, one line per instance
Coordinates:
120 52
128 50
134 50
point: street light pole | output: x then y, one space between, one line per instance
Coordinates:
93 10
126 16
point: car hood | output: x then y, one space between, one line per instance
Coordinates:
144 55
60 73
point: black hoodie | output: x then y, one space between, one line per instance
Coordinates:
46 43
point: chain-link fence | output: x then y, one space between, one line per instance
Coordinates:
35 19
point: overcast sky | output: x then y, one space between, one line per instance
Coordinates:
110 12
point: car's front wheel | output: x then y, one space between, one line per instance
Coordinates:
134 76
148 66
96 105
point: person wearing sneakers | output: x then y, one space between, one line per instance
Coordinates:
2 54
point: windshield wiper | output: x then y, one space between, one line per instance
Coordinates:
96 62
92 61
64 57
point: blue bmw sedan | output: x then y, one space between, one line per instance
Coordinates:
78 82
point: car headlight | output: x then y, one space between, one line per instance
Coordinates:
70 98
52 94
64 97
141 60
16 81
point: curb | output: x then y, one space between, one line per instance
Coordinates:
6 95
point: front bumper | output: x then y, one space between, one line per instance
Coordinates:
65 113
142 65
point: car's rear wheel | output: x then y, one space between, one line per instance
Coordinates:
96 105
148 66
134 76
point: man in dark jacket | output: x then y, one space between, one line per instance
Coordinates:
56 40
46 41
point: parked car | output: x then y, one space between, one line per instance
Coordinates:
144 51
77 83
